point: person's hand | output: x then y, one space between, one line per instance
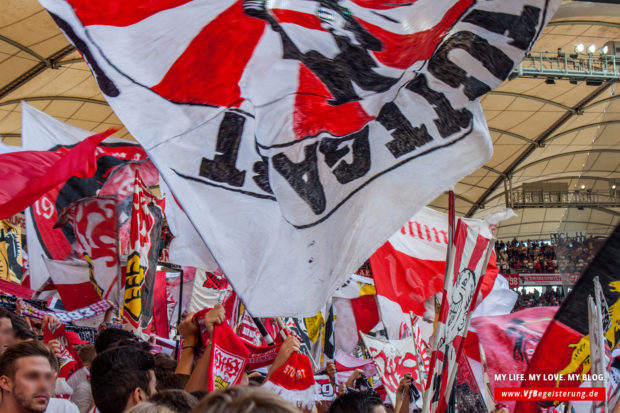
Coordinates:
54 346
290 345
213 317
354 376
188 329
107 317
405 382
330 370
50 320
342 389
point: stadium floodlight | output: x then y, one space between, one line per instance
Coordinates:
580 48
604 49
583 186
591 49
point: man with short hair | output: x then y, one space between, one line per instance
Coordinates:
27 377
121 378
110 336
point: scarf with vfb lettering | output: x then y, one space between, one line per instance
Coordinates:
68 361
229 357
294 381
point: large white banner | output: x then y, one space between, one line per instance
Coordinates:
299 135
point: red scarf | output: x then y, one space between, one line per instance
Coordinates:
294 381
229 357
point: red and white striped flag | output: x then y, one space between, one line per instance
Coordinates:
467 262
302 134
146 221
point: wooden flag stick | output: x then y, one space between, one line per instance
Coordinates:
418 356
488 394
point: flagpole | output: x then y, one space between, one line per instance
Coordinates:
449 264
488 394
418 357
119 275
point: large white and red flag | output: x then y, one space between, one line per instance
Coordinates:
95 226
467 263
146 222
42 132
305 132
409 268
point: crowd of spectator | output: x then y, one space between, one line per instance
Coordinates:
551 296
566 256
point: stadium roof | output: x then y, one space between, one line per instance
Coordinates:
544 129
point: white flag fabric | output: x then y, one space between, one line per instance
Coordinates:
299 135
186 248
501 300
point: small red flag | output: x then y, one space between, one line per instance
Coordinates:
27 175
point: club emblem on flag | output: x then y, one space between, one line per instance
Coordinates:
227 368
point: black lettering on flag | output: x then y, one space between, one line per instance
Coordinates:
493 59
406 137
347 172
303 177
450 120
521 29
353 65
261 178
222 168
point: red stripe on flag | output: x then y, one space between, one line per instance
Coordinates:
209 70
119 13
479 249
406 280
366 312
383 4
460 240
309 21
403 50
313 115
76 296
160 312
